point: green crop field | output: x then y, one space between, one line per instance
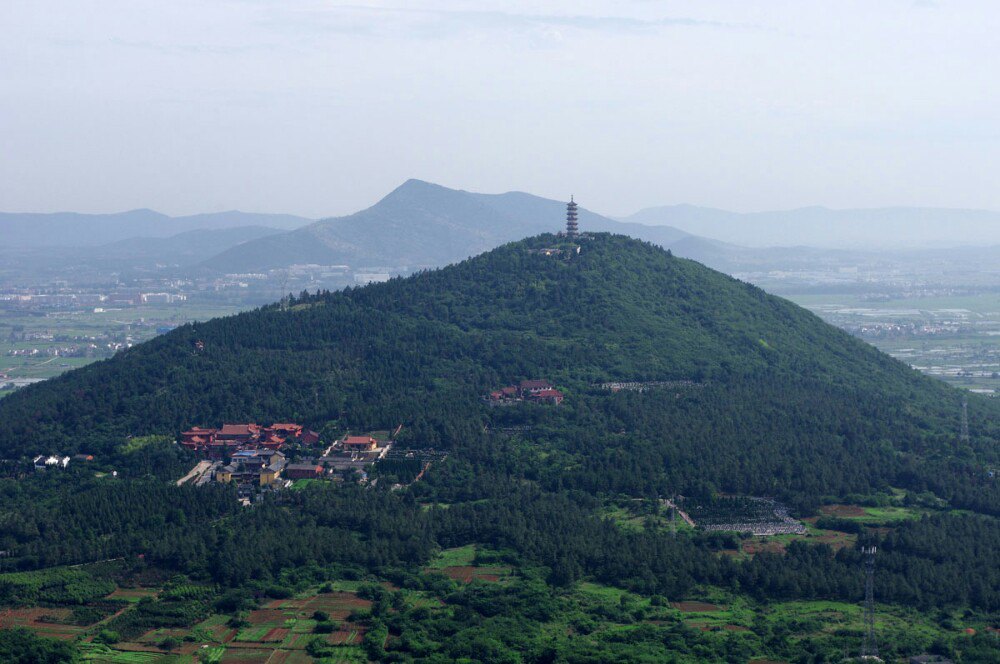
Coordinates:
102 654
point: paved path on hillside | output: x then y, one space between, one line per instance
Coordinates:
199 469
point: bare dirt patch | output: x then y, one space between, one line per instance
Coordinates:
842 510
754 546
466 573
43 621
237 656
695 607
461 573
338 600
344 637
276 634
264 616
33 616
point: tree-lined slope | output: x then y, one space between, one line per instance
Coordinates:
787 404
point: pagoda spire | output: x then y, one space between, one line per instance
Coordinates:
572 228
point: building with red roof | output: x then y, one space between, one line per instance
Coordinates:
537 391
359 443
230 438
532 386
554 397
302 471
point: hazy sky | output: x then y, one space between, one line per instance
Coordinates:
320 108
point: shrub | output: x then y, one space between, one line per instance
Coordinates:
169 643
325 627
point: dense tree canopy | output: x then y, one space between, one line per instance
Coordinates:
756 397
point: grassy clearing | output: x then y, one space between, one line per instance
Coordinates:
139 442
894 514
344 585
454 557
886 515
636 516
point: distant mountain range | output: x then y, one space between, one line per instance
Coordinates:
181 249
136 254
70 229
893 228
420 225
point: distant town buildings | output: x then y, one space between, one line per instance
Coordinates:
162 298
371 277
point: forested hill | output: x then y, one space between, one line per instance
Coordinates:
786 403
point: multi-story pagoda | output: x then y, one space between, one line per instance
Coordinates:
572 228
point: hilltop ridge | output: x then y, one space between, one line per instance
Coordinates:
425 349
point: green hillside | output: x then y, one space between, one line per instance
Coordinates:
785 403
542 536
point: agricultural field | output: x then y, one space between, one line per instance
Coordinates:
955 338
328 621
466 564
114 620
279 630
29 341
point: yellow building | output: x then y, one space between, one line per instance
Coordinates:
261 467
